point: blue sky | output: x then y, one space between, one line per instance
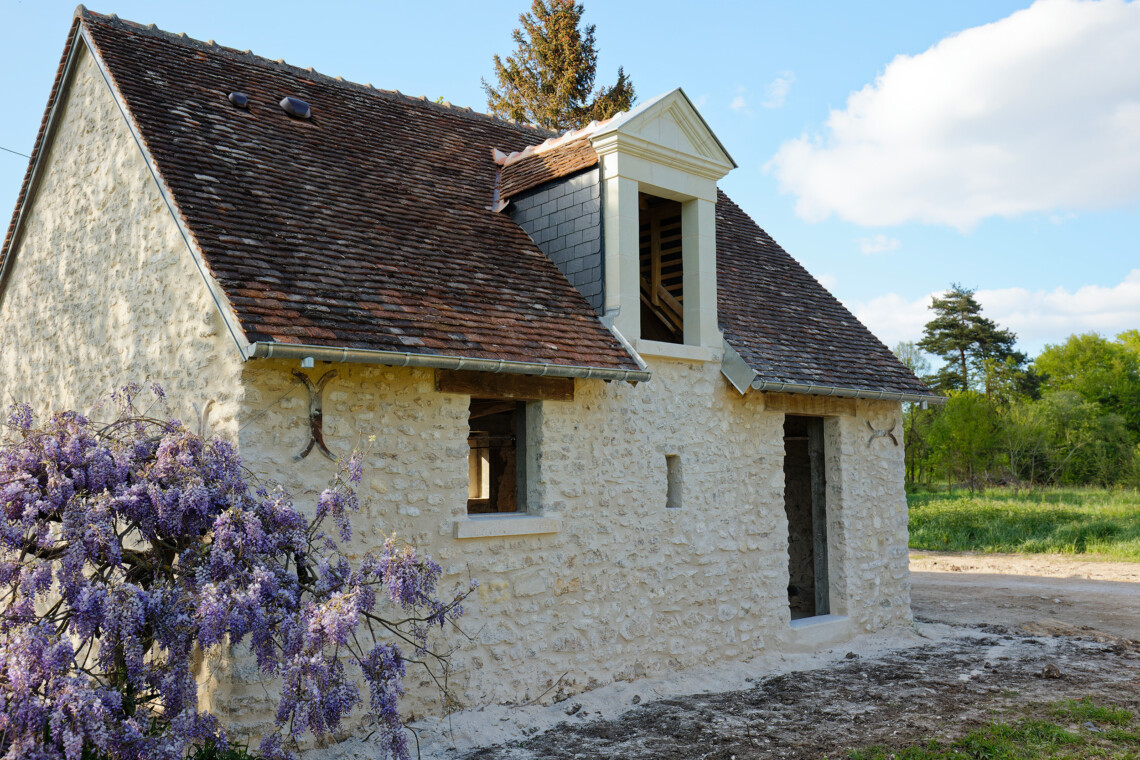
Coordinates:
893 147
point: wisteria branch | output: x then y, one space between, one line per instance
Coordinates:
130 550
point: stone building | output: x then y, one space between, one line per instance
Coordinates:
595 384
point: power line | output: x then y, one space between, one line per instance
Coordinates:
18 153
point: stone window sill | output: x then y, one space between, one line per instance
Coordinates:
819 620
815 633
496 526
683 351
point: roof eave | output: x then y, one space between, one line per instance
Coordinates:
744 378
269 350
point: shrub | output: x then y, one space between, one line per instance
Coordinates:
127 548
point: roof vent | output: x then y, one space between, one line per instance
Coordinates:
239 99
296 107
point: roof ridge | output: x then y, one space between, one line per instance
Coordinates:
151 30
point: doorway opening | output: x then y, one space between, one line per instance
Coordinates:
805 490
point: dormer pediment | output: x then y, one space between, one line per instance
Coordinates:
666 131
660 164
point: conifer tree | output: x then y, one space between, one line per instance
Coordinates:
549 81
966 341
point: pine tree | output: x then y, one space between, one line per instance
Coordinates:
967 341
549 81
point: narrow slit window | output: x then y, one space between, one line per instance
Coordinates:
673 481
493 460
662 274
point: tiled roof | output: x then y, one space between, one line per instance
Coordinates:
540 167
367 226
785 325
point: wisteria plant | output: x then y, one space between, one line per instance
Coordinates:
128 550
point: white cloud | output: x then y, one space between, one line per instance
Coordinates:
1037 112
893 318
738 103
1051 316
878 244
828 281
778 88
1040 316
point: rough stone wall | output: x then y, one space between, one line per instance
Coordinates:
563 219
627 587
103 290
867 517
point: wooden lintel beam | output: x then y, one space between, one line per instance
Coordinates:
505 386
802 403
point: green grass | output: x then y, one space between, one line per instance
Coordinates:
1079 521
1081 729
1083 710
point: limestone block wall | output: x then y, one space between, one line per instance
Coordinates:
626 587
867 517
103 290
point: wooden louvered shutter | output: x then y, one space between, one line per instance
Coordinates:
661 271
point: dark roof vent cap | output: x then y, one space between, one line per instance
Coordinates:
239 99
296 107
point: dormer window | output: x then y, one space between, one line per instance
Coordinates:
662 270
659 166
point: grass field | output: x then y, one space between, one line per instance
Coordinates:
1066 730
1079 521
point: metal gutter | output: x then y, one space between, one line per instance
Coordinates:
263 350
743 378
832 390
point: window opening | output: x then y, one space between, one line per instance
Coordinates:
804 504
494 442
673 481
662 291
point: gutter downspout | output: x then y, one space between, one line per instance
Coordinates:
265 350
607 321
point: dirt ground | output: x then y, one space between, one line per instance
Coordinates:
1034 593
991 642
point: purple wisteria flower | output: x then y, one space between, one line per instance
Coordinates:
127 548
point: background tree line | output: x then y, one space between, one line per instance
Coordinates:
1070 416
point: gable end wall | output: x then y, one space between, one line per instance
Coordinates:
564 220
102 289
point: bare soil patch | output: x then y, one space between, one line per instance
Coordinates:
941 690
1065 630
1047 594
